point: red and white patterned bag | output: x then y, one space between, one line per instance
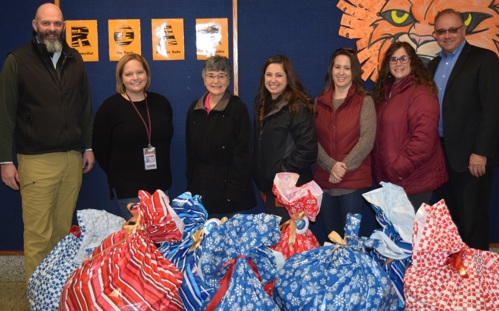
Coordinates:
127 272
302 203
446 274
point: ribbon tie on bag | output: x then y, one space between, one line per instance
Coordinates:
292 226
197 237
456 262
131 226
352 241
224 282
336 238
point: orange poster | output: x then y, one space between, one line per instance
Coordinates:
124 37
82 36
212 37
168 39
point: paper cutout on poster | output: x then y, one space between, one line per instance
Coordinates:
168 39
82 36
124 37
212 37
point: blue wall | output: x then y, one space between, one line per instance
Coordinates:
306 31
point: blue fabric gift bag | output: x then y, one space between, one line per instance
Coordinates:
338 277
185 253
236 261
395 214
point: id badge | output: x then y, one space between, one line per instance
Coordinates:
150 158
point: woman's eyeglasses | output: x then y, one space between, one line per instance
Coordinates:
403 59
452 31
220 76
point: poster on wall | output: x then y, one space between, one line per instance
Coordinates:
168 39
212 37
124 37
82 36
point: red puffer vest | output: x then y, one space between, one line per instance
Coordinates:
338 132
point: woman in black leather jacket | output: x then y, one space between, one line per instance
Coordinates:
285 138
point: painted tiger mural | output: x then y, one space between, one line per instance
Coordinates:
376 24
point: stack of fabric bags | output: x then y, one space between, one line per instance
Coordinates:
303 204
46 283
446 274
127 272
395 214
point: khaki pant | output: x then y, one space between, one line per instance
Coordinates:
50 184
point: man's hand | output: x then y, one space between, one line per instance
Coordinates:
477 165
10 177
88 161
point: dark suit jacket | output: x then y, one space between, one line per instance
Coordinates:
470 108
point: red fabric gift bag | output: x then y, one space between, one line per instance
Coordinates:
303 204
127 272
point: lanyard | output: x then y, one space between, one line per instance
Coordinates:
148 127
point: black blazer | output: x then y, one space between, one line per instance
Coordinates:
470 108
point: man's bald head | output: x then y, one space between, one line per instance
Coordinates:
49 26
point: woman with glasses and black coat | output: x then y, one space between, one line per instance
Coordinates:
219 145
407 150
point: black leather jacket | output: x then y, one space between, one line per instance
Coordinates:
284 142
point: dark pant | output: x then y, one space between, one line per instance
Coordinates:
467 198
419 198
269 202
334 210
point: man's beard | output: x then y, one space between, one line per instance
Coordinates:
52 46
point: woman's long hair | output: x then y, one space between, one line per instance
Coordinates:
294 92
421 74
355 69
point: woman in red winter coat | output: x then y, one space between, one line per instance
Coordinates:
407 150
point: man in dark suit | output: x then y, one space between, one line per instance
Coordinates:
467 78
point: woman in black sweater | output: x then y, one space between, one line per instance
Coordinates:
132 135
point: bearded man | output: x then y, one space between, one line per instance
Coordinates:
46 116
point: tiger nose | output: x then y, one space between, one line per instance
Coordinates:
420 40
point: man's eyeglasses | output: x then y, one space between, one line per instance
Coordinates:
403 59
452 31
220 76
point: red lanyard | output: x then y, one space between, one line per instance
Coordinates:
148 127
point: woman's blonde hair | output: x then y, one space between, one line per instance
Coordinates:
120 88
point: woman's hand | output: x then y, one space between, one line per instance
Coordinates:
338 172
333 180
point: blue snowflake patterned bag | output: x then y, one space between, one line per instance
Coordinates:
237 262
395 213
184 255
46 284
340 277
